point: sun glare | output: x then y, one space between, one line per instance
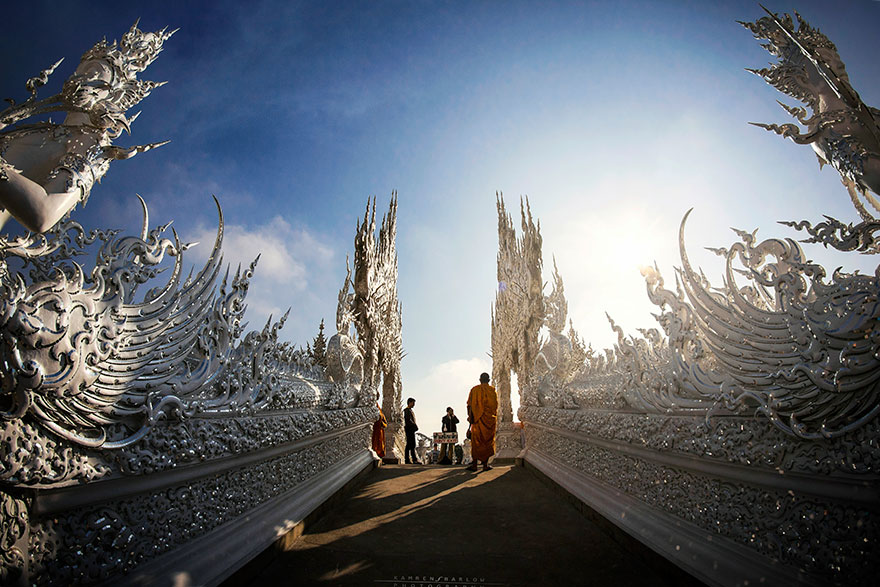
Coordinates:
600 254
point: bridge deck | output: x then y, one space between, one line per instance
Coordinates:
443 526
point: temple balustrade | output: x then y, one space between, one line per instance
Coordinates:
733 501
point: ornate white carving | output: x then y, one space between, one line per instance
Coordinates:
519 304
345 359
545 367
673 424
803 350
47 168
154 392
771 521
842 130
736 440
74 548
560 357
81 356
788 344
374 310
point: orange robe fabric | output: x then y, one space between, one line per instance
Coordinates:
483 410
379 434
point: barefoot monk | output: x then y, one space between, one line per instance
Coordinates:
482 408
379 431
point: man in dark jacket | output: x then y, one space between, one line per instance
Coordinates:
410 427
448 425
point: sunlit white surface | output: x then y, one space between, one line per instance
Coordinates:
613 119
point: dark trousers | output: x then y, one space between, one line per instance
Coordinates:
410 448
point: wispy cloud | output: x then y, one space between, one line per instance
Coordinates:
291 261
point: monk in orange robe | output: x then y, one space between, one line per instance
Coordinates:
482 408
379 433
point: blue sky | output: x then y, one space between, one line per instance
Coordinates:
613 118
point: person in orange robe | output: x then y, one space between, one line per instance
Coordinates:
482 406
379 433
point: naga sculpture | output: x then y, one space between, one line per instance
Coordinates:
47 168
842 129
804 351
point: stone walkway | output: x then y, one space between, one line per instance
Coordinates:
446 526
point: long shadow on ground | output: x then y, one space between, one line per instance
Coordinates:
411 525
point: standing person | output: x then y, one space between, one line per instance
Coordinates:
482 408
459 453
410 427
379 431
448 425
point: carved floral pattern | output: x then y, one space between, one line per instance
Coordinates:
736 440
29 456
821 538
519 309
103 542
843 131
99 380
13 527
200 440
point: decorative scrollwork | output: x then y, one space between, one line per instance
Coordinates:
78 152
84 545
28 456
519 310
81 355
807 354
788 344
768 521
737 440
843 131
13 528
863 237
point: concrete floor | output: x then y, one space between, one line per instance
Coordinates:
412 525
